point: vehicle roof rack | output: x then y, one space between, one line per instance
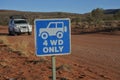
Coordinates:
17 17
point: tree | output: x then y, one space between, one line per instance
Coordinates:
89 19
76 20
117 15
97 15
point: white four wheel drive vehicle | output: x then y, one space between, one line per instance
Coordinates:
53 29
18 26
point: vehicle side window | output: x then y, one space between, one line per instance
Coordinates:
52 26
12 21
59 25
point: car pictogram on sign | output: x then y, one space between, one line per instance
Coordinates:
53 29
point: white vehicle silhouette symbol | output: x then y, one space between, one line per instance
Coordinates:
53 29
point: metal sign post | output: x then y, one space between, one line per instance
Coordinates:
53 68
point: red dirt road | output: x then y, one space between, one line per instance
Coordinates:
99 52
93 57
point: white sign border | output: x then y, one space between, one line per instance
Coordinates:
46 20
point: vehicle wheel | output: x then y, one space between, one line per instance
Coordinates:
44 35
29 33
59 34
13 33
18 33
10 33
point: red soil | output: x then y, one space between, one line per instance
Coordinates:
93 57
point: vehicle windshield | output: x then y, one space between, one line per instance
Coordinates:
20 22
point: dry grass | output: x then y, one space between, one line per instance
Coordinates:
16 46
22 47
64 67
4 40
1 41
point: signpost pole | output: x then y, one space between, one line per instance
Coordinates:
53 68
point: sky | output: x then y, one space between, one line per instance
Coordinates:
72 6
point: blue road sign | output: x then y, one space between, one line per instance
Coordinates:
52 36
